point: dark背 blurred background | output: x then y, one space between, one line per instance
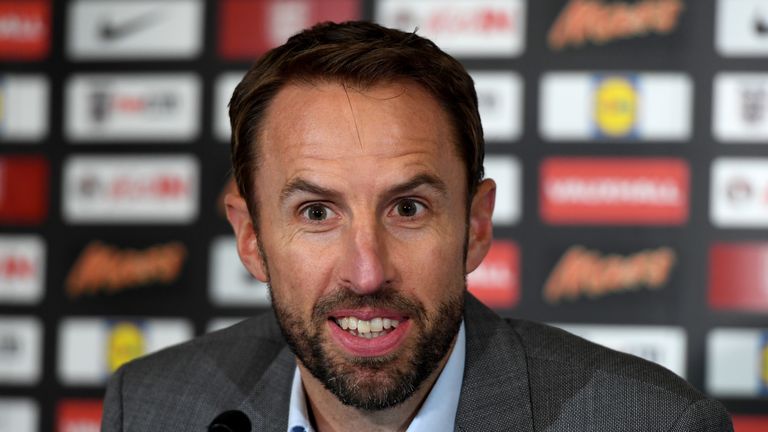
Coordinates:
628 138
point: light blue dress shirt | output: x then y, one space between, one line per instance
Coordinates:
438 413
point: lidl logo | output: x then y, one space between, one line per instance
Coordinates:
91 348
126 342
615 106
611 106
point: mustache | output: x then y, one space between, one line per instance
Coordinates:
385 298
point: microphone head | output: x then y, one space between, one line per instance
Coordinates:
230 421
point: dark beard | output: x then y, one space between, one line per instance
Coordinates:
372 383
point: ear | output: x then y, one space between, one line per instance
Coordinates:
480 225
245 235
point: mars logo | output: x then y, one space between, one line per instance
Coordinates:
24 29
615 106
496 282
107 269
126 342
78 415
598 22
585 272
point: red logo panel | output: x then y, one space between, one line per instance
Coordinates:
250 28
496 282
23 189
738 276
750 423
25 28
79 415
618 191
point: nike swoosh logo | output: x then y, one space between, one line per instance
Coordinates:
109 30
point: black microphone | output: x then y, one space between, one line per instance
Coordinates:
230 421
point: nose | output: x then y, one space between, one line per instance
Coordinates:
365 267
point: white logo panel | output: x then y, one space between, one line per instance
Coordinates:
734 362
463 28
508 175
18 415
662 106
662 345
21 345
136 107
738 192
225 86
89 346
741 29
500 98
23 107
131 189
231 284
120 29
740 107
22 269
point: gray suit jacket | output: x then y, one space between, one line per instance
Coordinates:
518 376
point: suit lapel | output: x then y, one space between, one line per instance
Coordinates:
494 393
267 404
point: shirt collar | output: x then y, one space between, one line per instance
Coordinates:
438 412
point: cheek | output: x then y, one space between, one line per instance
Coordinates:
299 274
434 268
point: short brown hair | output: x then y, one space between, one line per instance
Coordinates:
359 54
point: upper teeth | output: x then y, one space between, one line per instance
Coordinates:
366 326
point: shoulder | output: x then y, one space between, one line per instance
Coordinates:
188 384
255 341
576 376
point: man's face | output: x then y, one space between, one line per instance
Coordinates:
362 228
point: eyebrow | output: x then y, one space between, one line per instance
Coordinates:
299 184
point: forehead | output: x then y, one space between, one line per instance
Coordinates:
330 120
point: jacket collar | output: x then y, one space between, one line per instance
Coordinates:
495 393
267 405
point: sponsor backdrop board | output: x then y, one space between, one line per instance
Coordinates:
628 140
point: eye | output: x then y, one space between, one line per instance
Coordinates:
317 212
409 208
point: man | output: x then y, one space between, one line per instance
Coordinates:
358 153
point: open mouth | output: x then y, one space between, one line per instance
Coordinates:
368 333
369 329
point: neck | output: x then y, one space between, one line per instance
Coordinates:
330 415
